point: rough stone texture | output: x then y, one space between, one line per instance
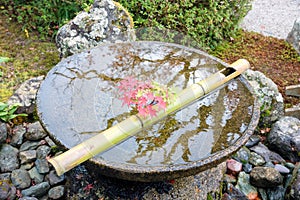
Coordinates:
265 177
3 132
37 190
27 156
294 193
269 156
17 137
284 138
294 35
8 158
106 21
244 186
20 178
233 167
270 99
256 159
25 95
35 131
43 151
7 190
56 192
35 175
42 166
53 179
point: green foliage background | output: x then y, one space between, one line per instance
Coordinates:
45 16
208 22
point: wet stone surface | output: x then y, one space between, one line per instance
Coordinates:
84 93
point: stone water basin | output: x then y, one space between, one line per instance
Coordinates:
79 98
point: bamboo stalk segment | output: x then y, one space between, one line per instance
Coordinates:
134 124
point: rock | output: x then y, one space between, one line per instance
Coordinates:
253 140
27 166
7 190
3 132
49 141
35 175
27 156
247 167
8 158
294 193
276 193
35 131
17 137
270 99
233 194
37 190
265 177
242 155
244 185
256 159
106 21
20 178
282 169
56 192
269 156
233 167
29 145
294 35
42 166
53 179
263 193
284 138
229 179
43 151
28 198
25 95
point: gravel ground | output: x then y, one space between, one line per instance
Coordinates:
272 17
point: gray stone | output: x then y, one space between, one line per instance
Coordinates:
242 155
27 156
25 95
20 178
53 179
27 166
106 21
8 158
35 131
247 167
56 192
270 99
294 192
5 176
35 175
256 159
294 35
276 193
244 185
29 145
269 156
233 194
28 198
49 141
3 132
263 193
284 138
43 151
253 140
37 190
42 166
17 137
7 190
265 177
282 169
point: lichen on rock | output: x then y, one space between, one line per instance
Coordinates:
270 99
106 21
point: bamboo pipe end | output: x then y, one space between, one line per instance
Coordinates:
240 65
58 168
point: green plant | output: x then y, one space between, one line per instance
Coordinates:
45 16
208 22
7 112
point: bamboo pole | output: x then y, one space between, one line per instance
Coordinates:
135 123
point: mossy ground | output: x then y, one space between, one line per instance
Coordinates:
29 57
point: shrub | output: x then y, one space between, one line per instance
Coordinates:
45 16
208 22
